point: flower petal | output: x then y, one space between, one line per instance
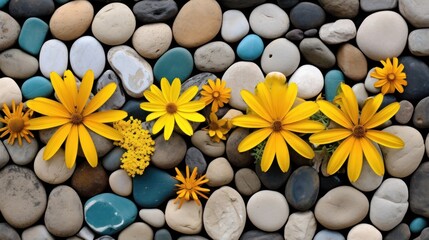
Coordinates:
370 108
330 136
190 107
61 91
301 112
46 122
85 90
183 124
154 115
175 88
340 155
250 121
103 130
335 114
269 153
165 89
305 126
107 116
87 146
187 95
382 116
153 107
299 145
99 99
159 124
70 85
169 126
154 98
282 153
385 139
373 157
253 139
48 107
192 116
72 144
354 165
350 103
56 141
255 105
264 95
290 97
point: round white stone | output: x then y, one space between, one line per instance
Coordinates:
121 183
54 170
152 40
153 217
234 26
337 32
269 21
364 231
280 55
9 91
187 219
369 83
309 80
87 53
220 172
53 57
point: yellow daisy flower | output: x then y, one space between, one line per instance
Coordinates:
357 133
190 186
217 129
274 78
16 123
272 113
74 114
170 107
216 93
390 76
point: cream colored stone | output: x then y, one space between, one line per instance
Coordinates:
152 40
188 219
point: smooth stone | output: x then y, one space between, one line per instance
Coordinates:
9 91
415 11
309 80
417 74
280 55
341 207
8 233
360 92
387 99
31 8
32 35
154 217
202 141
194 158
89 181
4 156
236 158
132 107
152 40
224 215
135 72
117 100
301 225
136 231
38 232
405 113
369 83
287 3
36 87
374 35
175 63
389 204
121 183
10 29
403 162
3 3
419 191
108 213
15 63
197 23
341 8
112 160
240 3
162 158
317 53
328 235
274 178
153 11
364 231
418 224
23 199
71 20
268 210
302 188
102 145
311 32
368 180
306 15
372 6
53 57
215 56
333 79
22 155
219 172
198 80
53 171
193 237
417 42
260 235
423 235
187 219
153 187
103 238
295 35
352 62
234 26
87 53
421 114
85 233
337 32
247 182
269 21
426 145
113 24
402 231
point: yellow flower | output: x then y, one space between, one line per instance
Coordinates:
274 78
217 129
216 93
16 123
138 143
170 107
357 133
190 186
390 76
74 114
272 113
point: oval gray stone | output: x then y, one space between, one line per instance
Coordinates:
302 188
419 192
405 113
421 114
10 29
317 53
247 182
15 63
117 100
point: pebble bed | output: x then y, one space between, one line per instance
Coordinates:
316 44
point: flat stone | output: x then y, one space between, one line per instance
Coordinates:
87 53
364 231
306 15
328 235
10 29
234 26
274 178
302 188
416 42
337 32
280 55
22 155
121 183
8 233
135 231
15 63
214 57
372 6
32 35
186 219
405 113
152 40
53 171
219 172
260 235
269 21
402 231
153 11
301 225
117 100
352 62
36 86
419 191
153 217
317 53
341 8
421 114
309 80
247 182
53 57
415 11
37 232
194 158
4 156
162 157
295 35
202 141
89 181
31 8
175 63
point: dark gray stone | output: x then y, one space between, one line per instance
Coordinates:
236 158
132 107
387 99
302 188
311 32
117 100
31 8
274 178
149 11
192 238
400 232
240 3
287 3
417 78
195 158
198 80
419 192
317 53
112 160
163 234
8 233
295 35
421 114
331 182
341 8
260 235
307 15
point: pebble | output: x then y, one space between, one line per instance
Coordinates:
112 160
102 144
300 226
163 234
240 3
87 53
341 207
389 204
415 12
135 72
280 55
337 32
113 24
403 162
31 8
368 180
22 155
224 215
152 40
333 79
117 100
71 20
418 224
9 91
202 141
219 172
53 171
269 21
417 73
23 198
108 213
136 231
419 191
53 57
420 117
369 83
121 183
175 63
15 63
10 29
376 31
405 113
317 53
4 156
187 219
8 233
306 15
247 182
236 158
416 42
274 178
302 188
287 3
372 6
268 210
360 92
153 11
424 234
309 80
197 23
260 235
89 181
32 35
352 62
328 235
198 80
311 32
234 26
85 233
35 233
132 107
250 48
364 231
402 231
194 158
154 217
36 87
341 8
164 159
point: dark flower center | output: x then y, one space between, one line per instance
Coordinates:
359 131
171 108
76 118
216 94
277 126
214 126
16 125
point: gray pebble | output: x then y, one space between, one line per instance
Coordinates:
4 156
163 234
247 182
421 114
22 155
117 100
341 8
417 42
150 11
405 113
317 53
10 31
260 235
195 158
168 154
311 32
402 231
372 6
295 35
112 160
236 158
8 233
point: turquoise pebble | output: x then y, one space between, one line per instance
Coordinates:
417 225
332 81
250 47
108 213
36 87
153 187
32 35
163 234
132 107
175 63
3 3
112 160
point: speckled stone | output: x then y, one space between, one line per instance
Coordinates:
10 29
149 11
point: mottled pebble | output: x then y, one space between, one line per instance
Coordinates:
202 141
10 29
280 55
154 217
302 188
269 21
15 63
247 182
53 171
121 183
317 53
153 11
152 40
187 219
364 231
164 159
337 32
309 80
89 181
300 226
219 172
22 155
234 26
136 231
352 62
341 8
214 57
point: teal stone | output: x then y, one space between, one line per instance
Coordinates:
112 160
62 1
32 35
37 87
153 188
175 63
250 47
3 3
332 81
417 225
163 234
108 213
132 107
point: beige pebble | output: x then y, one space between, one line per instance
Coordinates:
152 40
352 62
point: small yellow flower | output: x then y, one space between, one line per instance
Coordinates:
216 93
390 76
16 123
217 129
357 133
190 186
170 107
